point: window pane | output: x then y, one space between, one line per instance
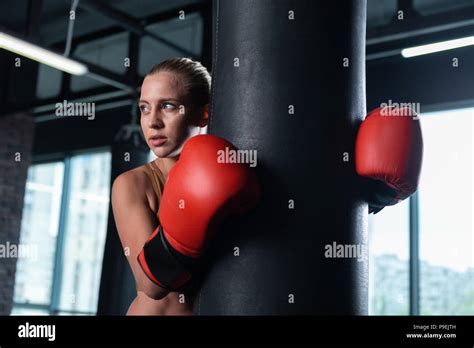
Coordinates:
85 232
389 265
39 227
446 231
18 310
75 313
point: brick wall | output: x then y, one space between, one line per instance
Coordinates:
16 139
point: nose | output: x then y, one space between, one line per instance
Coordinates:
156 121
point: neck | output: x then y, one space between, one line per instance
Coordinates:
165 164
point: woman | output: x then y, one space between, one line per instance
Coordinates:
174 106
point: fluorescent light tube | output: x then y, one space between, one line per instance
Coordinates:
437 47
41 55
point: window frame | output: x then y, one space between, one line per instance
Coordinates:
414 217
66 158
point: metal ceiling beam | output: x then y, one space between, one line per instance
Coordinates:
130 24
421 25
98 94
43 108
156 18
33 18
106 76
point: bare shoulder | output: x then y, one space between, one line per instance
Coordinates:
134 186
131 182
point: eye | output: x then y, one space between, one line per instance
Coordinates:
143 109
168 106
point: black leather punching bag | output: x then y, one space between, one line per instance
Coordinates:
289 82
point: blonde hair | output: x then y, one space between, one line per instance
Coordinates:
194 77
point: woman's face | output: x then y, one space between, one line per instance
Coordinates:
165 113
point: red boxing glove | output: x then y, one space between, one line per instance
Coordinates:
199 193
389 148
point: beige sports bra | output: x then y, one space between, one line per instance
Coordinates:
158 182
157 179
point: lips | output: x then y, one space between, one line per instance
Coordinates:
157 140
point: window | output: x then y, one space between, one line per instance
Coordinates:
446 210
445 285
65 217
389 261
34 274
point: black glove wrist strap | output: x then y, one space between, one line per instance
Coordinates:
170 268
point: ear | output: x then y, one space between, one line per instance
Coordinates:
204 116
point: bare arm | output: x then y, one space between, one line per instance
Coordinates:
135 223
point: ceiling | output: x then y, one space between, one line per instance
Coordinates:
424 21
54 14
101 25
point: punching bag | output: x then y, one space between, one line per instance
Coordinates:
288 81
